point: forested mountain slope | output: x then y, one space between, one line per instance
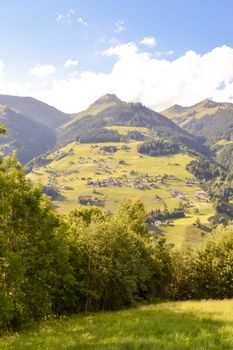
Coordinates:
37 110
212 121
24 135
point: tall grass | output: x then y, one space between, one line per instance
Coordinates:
205 325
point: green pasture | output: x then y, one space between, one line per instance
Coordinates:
190 325
87 162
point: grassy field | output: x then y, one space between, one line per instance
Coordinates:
197 111
85 162
204 325
123 130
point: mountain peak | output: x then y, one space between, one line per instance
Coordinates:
207 103
173 109
108 98
177 108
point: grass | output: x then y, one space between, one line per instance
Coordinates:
197 111
85 160
204 325
92 110
123 130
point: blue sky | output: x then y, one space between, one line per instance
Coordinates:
45 44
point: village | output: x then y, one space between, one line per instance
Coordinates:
135 180
108 171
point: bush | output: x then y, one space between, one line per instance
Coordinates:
89 260
206 272
117 262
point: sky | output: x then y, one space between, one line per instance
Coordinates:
68 53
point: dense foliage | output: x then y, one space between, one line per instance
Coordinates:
156 148
28 247
224 155
92 260
216 180
99 135
87 261
165 214
204 169
206 272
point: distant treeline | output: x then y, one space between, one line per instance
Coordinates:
156 148
216 180
165 214
91 260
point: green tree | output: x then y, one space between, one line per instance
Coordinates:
28 247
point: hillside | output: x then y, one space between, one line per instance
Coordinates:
104 174
106 101
116 150
92 125
37 110
195 325
212 121
24 135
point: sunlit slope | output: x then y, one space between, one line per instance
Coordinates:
80 172
101 104
213 121
94 124
190 325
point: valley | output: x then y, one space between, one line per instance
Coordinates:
116 175
91 174
116 150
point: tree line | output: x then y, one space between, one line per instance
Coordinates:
91 260
217 181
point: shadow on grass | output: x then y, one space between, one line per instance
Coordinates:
153 329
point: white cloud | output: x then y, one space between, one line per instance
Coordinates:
164 53
139 77
119 26
70 12
70 17
60 17
71 63
42 71
148 41
80 20
121 50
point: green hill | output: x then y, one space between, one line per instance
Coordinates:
37 110
116 150
93 124
212 121
103 174
24 135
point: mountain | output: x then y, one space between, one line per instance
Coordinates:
106 101
116 150
104 174
37 110
97 122
212 121
24 135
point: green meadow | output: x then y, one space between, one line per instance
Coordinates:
83 163
190 325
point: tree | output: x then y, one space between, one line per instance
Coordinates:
28 247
